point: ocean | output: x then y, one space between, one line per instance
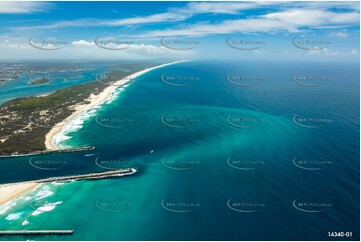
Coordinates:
232 150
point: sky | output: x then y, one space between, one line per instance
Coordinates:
180 30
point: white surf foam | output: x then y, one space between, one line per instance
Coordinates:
13 216
77 122
5 207
26 222
47 207
57 183
43 193
71 127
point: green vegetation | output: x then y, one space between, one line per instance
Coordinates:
24 122
41 81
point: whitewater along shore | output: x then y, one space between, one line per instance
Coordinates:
95 100
10 191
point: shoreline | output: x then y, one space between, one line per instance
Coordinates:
95 100
11 191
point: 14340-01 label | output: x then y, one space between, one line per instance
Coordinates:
339 234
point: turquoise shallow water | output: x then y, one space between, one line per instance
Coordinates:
60 77
216 160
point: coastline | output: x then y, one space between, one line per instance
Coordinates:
94 100
10 191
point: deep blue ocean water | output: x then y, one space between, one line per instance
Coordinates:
224 151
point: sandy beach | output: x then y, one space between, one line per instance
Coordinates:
95 100
11 191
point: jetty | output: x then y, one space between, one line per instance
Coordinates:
36 232
44 152
89 176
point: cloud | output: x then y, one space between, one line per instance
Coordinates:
354 52
225 27
333 19
327 52
83 43
84 49
290 20
346 5
314 17
237 7
155 18
341 34
300 15
219 7
126 22
173 15
23 7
